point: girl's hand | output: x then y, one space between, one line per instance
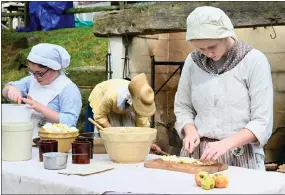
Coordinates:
33 104
14 94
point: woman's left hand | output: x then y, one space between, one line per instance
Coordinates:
214 150
33 104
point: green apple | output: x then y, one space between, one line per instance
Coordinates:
208 183
199 176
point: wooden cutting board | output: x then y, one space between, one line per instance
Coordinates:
185 168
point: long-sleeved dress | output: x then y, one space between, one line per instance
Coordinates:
220 105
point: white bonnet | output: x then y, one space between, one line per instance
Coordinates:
209 23
49 55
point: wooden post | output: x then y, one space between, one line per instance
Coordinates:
10 22
26 14
122 4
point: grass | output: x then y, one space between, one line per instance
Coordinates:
85 49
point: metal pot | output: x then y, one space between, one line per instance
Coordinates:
55 160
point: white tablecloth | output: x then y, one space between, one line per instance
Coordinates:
30 177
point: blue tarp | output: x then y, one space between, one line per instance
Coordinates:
79 23
48 15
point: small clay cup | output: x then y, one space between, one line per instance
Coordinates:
47 146
88 136
81 152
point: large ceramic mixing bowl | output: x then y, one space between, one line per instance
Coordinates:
128 144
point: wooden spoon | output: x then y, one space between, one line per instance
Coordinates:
96 124
165 153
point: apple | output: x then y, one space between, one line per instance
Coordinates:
208 183
199 176
221 180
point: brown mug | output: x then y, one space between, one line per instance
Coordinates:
88 136
81 152
47 146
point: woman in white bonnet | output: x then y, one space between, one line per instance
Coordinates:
52 96
224 101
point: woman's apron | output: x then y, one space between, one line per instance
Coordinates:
240 157
44 95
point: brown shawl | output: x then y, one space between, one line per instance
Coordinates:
237 52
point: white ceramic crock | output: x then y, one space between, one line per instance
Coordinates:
17 141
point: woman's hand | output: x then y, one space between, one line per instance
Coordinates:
14 94
214 150
192 138
106 124
156 148
33 104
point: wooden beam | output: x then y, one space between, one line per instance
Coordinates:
3 14
108 8
171 17
90 9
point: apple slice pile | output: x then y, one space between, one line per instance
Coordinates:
206 181
185 160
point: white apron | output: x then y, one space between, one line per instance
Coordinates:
44 95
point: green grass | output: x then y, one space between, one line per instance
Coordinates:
85 49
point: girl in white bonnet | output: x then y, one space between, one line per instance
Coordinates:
52 96
224 100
